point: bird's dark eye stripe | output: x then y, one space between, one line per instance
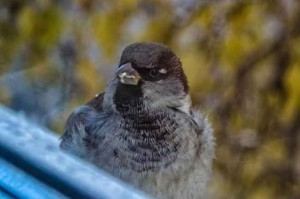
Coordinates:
151 74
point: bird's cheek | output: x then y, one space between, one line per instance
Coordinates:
151 90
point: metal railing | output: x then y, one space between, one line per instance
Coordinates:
33 166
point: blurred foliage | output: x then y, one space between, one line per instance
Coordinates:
242 59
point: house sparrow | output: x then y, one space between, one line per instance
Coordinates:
143 130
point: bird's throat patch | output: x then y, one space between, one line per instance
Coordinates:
128 97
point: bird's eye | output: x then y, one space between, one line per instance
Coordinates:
157 72
154 73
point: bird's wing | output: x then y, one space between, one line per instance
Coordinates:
205 131
96 102
77 125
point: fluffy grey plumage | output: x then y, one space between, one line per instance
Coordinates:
143 130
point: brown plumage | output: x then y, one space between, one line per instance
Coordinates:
143 130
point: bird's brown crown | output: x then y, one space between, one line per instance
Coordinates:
149 58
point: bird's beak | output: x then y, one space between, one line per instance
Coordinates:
128 75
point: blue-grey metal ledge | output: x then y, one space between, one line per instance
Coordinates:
32 166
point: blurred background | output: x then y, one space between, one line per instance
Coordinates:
242 59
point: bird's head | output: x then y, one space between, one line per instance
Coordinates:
152 74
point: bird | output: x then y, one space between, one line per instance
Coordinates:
143 129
